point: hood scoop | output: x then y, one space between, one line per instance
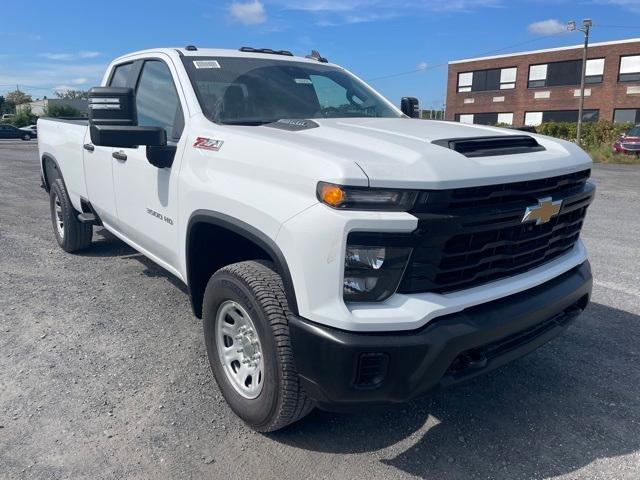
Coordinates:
292 125
491 146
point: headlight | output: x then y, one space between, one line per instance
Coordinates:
372 272
365 198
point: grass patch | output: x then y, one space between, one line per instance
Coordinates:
605 154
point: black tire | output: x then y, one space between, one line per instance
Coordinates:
259 290
26 136
75 234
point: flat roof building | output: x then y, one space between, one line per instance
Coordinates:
529 88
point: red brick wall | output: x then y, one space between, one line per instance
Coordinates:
605 96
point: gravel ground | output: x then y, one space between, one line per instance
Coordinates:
103 373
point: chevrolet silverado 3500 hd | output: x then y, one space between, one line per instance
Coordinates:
338 251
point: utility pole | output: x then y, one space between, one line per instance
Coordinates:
586 26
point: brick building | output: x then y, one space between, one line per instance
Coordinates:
529 88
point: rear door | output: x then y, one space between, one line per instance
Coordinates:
98 161
146 196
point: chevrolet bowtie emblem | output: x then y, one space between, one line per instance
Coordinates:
544 211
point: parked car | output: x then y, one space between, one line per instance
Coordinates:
9 131
629 142
32 129
339 252
7 116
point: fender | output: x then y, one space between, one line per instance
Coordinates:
252 234
46 176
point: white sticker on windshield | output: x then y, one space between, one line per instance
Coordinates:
303 80
206 64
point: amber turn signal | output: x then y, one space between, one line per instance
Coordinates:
343 197
331 194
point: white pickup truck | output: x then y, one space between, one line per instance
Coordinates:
339 252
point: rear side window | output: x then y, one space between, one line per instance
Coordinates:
120 75
157 100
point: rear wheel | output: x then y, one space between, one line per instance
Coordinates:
71 234
245 314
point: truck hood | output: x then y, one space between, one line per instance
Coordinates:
398 152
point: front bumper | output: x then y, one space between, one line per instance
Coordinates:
338 367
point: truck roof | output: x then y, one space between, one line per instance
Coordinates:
221 52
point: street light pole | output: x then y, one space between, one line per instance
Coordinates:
586 26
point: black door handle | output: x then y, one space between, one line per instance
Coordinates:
119 156
88 147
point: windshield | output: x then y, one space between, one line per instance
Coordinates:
234 90
634 132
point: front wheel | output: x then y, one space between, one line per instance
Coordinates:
26 137
246 330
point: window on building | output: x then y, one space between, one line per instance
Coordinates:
565 73
485 118
626 115
465 80
536 118
629 69
485 80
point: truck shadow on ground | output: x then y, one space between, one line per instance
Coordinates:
105 244
568 404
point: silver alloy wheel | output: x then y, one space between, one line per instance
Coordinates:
239 349
59 218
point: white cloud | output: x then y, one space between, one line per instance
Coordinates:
58 56
422 66
250 13
547 27
43 78
70 56
632 5
89 54
334 13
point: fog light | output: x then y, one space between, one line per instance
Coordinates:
371 257
355 285
372 272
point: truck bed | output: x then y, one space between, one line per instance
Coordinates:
61 139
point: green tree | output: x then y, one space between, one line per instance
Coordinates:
17 97
60 111
72 94
23 117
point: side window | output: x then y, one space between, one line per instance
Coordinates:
121 75
157 100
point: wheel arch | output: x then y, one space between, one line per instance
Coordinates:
50 170
242 236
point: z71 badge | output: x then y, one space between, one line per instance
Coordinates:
208 144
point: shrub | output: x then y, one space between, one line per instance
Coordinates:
60 111
594 134
23 117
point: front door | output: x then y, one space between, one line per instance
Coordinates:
98 162
146 196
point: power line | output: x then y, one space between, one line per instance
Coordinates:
630 27
439 65
25 86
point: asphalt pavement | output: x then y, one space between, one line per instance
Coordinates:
103 373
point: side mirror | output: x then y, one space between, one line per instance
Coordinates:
113 120
410 106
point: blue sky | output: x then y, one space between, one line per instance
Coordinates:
67 44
